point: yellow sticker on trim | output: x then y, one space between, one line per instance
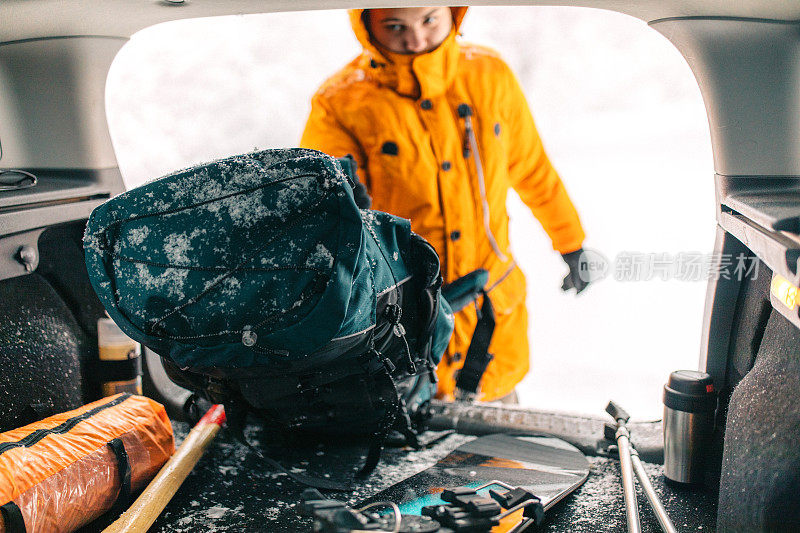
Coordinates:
783 290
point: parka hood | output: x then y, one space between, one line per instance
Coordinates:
419 76
362 33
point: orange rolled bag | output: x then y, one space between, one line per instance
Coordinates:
62 472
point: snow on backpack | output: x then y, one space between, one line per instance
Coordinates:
263 286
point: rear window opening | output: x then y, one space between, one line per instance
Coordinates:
619 113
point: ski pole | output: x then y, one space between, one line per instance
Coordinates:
624 446
144 511
649 491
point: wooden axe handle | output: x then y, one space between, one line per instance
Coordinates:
144 511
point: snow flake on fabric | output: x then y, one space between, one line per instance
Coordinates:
178 246
245 210
137 236
320 258
169 280
295 194
91 243
213 282
230 287
268 262
197 186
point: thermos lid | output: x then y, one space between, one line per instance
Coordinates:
109 334
691 391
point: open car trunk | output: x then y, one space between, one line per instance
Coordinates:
52 126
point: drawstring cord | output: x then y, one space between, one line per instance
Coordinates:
471 145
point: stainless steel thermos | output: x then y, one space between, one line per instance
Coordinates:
689 404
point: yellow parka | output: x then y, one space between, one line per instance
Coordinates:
398 116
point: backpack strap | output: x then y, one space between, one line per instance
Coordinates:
405 427
466 289
459 294
478 356
391 398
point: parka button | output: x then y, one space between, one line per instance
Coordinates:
455 235
446 166
426 104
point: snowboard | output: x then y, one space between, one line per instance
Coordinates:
545 466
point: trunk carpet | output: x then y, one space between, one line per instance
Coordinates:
231 490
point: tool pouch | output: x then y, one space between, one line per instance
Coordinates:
62 472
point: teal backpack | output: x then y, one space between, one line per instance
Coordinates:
264 287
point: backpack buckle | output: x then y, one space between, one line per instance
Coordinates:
306 389
373 361
393 313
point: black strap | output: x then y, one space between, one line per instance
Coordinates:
124 468
236 415
405 426
478 356
121 370
391 399
12 518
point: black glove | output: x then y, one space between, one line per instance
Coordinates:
361 196
573 280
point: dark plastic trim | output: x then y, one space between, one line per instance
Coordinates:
688 403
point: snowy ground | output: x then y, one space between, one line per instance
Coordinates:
616 105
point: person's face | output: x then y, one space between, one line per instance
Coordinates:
410 30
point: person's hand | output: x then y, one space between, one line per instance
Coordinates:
360 193
573 280
361 196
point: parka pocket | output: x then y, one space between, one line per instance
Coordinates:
508 293
402 179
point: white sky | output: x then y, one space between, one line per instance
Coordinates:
616 105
